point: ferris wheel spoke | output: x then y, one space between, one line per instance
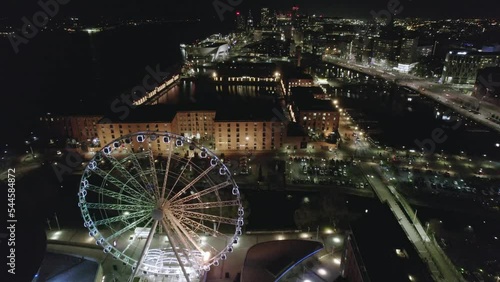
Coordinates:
178 177
195 235
148 223
115 195
206 205
146 247
146 183
213 251
167 170
154 177
179 241
119 166
120 184
190 184
118 207
181 231
186 247
128 227
120 217
203 228
209 217
169 236
202 193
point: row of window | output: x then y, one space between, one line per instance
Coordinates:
237 147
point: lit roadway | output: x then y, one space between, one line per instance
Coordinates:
446 95
439 265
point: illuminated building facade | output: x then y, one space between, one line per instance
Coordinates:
79 127
408 51
302 80
240 21
265 18
194 124
238 127
112 130
249 124
246 72
257 135
461 67
316 116
317 120
385 51
487 86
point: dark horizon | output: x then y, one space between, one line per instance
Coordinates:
15 10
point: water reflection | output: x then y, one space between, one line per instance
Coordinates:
397 116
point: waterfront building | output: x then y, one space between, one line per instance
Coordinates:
408 51
317 116
82 128
385 52
461 67
255 125
487 85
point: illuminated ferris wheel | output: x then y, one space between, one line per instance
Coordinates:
161 204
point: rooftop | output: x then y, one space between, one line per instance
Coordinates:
306 91
473 53
295 129
265 262
240 108
300 76
142 114
247 69
303 98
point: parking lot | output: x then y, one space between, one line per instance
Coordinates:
483 190
345 173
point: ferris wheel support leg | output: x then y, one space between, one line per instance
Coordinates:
146 248
175 252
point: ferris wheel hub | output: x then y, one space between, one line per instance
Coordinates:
157 214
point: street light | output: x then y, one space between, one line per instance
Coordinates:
322 272
31 148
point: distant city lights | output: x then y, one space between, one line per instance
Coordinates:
92 30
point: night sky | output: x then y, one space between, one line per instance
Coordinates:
204 8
